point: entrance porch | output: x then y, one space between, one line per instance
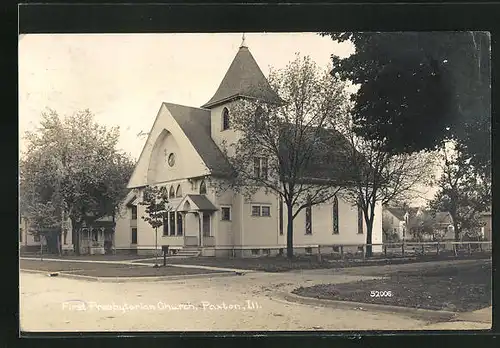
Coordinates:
197 211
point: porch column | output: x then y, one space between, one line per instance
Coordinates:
184 223
200 217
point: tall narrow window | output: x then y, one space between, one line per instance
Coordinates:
281 216
134 235
360 220
20 235
165 224
225 119
203 188
171 194
172 223
179 224
264 166
134 212
335 215
309 217
260 167
178 192
256 167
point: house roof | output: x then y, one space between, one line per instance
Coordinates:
202 202
196 124
399 213
442 217
243 79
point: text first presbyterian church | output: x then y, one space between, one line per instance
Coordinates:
183 150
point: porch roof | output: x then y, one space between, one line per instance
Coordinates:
197 202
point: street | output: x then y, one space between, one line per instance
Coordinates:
224 303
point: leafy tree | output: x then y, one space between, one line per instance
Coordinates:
417 89
283 148
462 191
73 163
422 226
156 201
379 176
44 222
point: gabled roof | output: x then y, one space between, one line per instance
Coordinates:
201 202
196 124
399 213
243 79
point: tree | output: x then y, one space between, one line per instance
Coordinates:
408 81
284 148
463 192
422 226
73 163
377 175
156 201
44 222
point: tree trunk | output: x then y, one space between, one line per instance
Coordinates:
369 232
75 236
59 242
289 232
457 231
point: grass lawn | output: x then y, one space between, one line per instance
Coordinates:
282 264
109 257
108 270
458 288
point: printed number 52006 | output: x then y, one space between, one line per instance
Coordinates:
380 293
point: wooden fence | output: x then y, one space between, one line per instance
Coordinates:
404 249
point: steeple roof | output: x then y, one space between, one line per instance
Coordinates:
243 79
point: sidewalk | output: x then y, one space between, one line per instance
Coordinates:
134 263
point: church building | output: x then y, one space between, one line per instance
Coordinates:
183 152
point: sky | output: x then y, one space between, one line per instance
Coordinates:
124 78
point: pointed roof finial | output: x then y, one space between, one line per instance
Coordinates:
243 44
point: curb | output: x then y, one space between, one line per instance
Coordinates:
132 279
473 317
418 313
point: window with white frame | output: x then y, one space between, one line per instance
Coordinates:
265 210
261 210
260 167
225 213
255 210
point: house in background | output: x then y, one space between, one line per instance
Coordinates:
30 242
443 224
183 152
487 227
394 221
27 241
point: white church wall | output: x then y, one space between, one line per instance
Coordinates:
192 164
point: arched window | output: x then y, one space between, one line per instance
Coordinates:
171 193
178 192
259 118
203 188
335 215
225 119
